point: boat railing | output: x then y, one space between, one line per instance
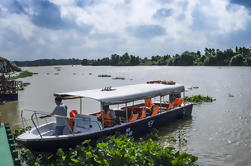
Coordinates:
34 117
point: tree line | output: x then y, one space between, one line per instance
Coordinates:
49 62
240 56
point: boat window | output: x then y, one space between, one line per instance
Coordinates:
83 122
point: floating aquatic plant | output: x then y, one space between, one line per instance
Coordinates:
118 78
104 75
21 85
24 74
198 99
113 150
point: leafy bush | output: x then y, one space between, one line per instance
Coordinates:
113 150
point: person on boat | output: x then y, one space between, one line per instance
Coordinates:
110 118
60 109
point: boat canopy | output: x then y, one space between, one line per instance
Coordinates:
123 94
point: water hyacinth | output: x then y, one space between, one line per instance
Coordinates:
198 99
104 75
23 74
113 150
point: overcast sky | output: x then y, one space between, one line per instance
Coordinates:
38 29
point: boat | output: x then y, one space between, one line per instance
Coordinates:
8 89
135 109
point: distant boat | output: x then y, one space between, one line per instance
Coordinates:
8 89
137 115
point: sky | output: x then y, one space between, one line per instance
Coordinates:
45 29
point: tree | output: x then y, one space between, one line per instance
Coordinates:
238 60
115 60
210 61
84 62
125 59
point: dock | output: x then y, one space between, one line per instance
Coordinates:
8 153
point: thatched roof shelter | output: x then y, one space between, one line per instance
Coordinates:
6 66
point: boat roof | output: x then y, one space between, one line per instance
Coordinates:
123 94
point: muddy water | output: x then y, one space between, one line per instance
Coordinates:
219 133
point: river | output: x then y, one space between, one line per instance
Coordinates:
219 133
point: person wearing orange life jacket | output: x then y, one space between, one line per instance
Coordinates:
109 119
149 104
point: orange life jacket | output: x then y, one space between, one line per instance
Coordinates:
71 121
108 121
155 110
148 102
133 117
177 102
169 106
143 114
99 115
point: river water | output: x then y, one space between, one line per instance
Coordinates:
219 133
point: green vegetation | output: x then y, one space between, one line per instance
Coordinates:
113 150
118 78
116 60
49 62
21 85
198 99
18 132
24 74
104 75
240 56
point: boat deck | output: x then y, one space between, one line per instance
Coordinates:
7 148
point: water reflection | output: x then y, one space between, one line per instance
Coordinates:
175 134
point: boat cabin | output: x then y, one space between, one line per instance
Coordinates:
134 102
